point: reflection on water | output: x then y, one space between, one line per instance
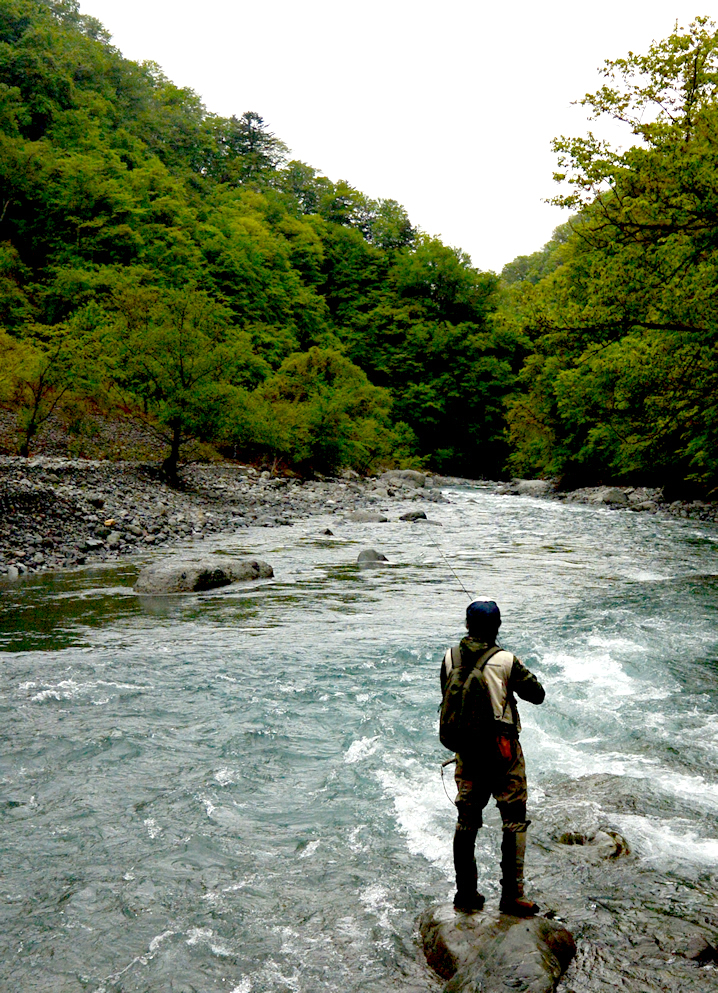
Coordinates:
239 790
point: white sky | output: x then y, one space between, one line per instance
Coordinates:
448 108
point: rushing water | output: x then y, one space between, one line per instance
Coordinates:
240 790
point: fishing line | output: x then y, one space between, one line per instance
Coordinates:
450 567
443 781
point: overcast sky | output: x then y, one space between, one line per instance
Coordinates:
448 108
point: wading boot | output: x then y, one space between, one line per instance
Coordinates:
513 850
467 899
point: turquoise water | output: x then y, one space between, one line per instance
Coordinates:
240 790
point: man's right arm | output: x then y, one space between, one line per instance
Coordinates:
524 684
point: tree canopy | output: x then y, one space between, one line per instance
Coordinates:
208 270
622 313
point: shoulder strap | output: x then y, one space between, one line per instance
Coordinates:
480 662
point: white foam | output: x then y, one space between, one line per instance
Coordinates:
361 749
244 986
310 849
661 840
421 808
153 828
224 776
158 939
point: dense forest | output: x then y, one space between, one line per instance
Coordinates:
161 262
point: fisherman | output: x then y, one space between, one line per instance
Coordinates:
501 774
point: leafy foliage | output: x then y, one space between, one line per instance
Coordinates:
623 377
203 277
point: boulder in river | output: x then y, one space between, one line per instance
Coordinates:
404 477
183 575
367 517
495 953
413 515
370 557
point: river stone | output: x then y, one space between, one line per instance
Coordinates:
369 556
12 572
611 496
495 953
532 487
413 515
181 575
367 517
406 477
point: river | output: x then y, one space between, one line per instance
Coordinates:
240 790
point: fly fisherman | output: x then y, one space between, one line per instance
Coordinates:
493 764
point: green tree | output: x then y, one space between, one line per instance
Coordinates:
623 380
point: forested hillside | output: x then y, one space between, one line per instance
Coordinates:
160 262
159 259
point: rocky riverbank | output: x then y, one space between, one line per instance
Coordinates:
58 512
643 499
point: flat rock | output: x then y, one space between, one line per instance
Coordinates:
367 517
413 515
181 575
495 953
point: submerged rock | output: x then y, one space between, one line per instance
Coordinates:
495 953
369 557
180 575
413 515
367 517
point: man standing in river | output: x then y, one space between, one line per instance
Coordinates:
496 768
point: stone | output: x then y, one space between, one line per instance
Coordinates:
369 556
413 515
405 477
327 531
495 953
699 949
603 843
185 575
611 496
366 517
113 539
533 487
12 572
91 544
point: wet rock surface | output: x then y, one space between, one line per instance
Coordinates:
495 953
182 575
59 512
636 927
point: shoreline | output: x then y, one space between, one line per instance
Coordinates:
58 513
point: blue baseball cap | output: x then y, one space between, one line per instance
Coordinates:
482 610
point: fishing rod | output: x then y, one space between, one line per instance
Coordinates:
471 598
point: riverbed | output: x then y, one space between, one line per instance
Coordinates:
240 790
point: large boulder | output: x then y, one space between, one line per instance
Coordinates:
370 557
404 477
610 496
367 517
495 953
413 515
183 575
